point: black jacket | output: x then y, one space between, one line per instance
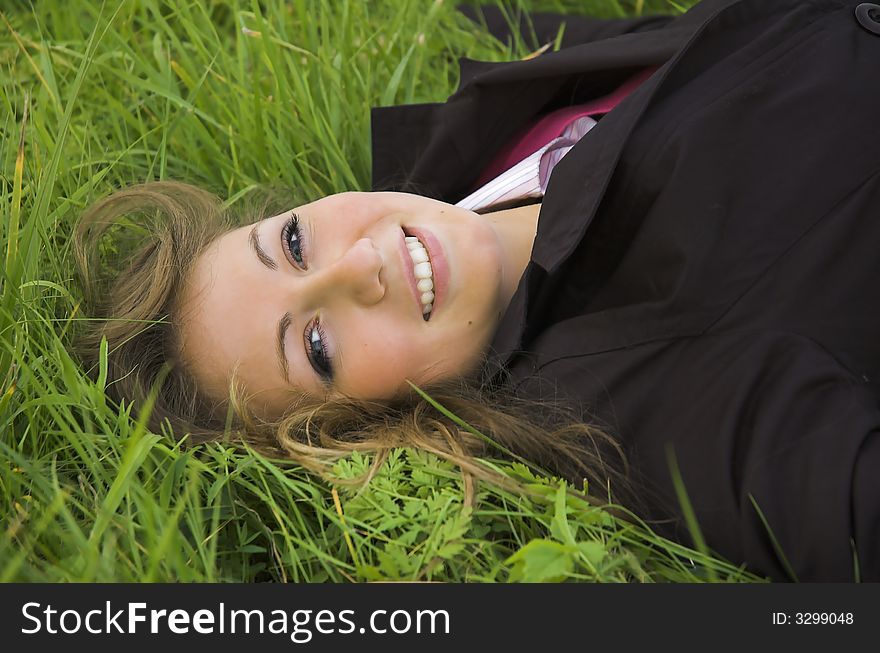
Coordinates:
704 281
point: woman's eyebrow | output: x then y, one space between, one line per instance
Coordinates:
254 240
283 325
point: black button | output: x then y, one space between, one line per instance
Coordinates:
868 15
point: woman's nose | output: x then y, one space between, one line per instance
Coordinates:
354 276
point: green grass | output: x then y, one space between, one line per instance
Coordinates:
96 97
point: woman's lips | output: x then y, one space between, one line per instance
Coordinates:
439 265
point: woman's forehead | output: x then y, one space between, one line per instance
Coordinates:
225 324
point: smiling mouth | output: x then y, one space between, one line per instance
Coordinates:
423 272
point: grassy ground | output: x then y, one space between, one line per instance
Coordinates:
241 94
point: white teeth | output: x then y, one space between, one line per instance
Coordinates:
423 273
418 254
422 270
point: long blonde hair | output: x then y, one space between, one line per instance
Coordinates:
130 287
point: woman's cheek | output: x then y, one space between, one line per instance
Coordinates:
379 368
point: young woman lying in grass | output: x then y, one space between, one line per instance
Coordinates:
628 261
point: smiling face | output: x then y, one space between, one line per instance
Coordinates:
325 300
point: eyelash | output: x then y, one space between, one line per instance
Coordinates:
291 227
322 363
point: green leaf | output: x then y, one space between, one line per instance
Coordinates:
559 524
593 550
389 561
542 561
102 365
394 82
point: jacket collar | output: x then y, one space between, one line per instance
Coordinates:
569 205
439 149
573 197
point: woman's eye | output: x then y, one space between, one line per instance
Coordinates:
291 238
317 351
